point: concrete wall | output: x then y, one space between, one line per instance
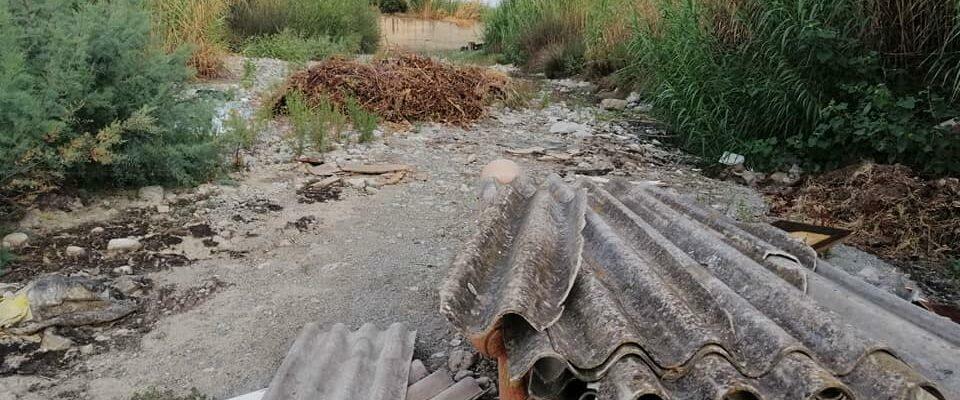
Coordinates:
416 34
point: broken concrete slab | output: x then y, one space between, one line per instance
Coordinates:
466 389
323 169
418 371
430 386
373 169
527 151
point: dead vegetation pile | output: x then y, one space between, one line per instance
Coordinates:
404 89
892 211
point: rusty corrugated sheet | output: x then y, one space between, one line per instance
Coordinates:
338 364
674 301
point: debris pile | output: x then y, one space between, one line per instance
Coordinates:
891 210
366 177
403 89
630 291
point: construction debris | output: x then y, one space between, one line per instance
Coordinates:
342 365
57 300
629 291
404 89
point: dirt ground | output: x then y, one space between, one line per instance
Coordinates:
250 261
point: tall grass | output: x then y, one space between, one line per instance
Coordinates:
347 20
197 24
458 10
819 83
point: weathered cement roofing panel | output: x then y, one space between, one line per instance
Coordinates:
342 365
675 301
523 259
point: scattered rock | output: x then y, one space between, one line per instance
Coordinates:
455 342
484 382
472 158
460 375
163 208
357 183
75 251
731 159
371 190
565 128
459 360
613 104
373 169
87 349
53 342
123 245
15 240
128 285
527 151
124 270
151 194
782 178
96 231
503 171
418 371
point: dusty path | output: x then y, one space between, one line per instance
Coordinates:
372 256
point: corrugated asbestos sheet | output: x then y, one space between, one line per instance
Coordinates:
339 364
629 291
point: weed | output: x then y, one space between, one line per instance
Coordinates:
365 122
331 117
298 48
519 94
954 269
249 74
199 24
6 257
240 135
307 125
353 21
156 394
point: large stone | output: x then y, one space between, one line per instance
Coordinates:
459 360
53 342
613 104
418 371
503 171
15 240
127 285
75 251
566 128
123 245
151 194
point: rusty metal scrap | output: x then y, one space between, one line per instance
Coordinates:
339 364
673 301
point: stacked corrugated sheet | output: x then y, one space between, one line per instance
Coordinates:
629 291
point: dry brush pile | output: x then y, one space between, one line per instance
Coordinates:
403 89
892 211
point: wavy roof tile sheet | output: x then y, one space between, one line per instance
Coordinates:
673 301
338 364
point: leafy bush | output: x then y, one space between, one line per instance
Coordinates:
85 97
291 46
341 20
199 24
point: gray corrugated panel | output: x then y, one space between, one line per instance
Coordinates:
343 365
676 301
523 260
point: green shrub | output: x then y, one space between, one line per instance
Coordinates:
816 83
545 35
240 134
86 97
291 46
342 20
392 6
313 127
365 122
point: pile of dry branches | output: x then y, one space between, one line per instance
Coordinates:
404 89
892 212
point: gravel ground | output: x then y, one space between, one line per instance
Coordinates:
372 256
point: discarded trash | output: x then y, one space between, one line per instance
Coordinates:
731 159
821 238
56 300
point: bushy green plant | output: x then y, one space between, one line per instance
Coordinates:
249 74
546 35
291 46
342 20
808 82
87 97
364 121
239 135
315 126
392 6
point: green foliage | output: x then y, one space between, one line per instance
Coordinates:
343 21
291 46
810 84
156 394
86 97
249 74
365 122
392 6
545 35
313 126
240 134
6 257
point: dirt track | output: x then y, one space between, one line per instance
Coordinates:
372 256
